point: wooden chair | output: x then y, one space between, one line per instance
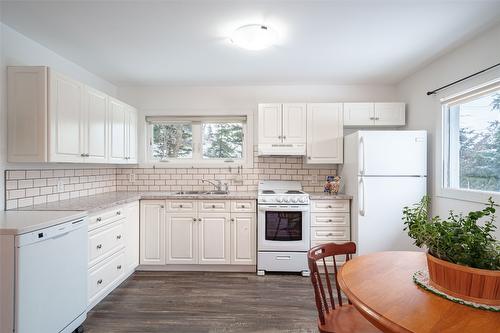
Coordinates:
334 318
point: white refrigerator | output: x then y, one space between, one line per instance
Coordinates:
384 171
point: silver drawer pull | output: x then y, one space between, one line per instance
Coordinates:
99 219
330 220
329 206
180 206
242 206
119 267
330 234
194 219
99 281
119 237
118 213
283 258
99 246
199 220
213 206
161 206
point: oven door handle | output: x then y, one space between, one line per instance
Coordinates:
284 208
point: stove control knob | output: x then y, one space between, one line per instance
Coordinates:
279 199
293 200
285 199
263 200
302 200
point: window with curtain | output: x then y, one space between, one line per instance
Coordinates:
471 140
200 140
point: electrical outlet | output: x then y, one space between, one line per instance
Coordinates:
60 186
131 178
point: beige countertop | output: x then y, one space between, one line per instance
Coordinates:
95 203
21 222
326 196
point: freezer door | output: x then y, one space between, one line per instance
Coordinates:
378 224
392 153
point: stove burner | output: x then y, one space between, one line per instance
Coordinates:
268 192
293 192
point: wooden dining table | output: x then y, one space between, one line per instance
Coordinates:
381 287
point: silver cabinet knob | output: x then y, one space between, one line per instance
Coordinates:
232 220
330 234
119 237
309 157
99 281
119 267
82 155
180 206
161 206
99 246
330 220
118 213
213 206
242 206
99 219
199 220
329 206
284 137
194 219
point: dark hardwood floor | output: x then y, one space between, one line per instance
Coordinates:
206 302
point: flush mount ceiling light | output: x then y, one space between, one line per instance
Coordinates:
254 37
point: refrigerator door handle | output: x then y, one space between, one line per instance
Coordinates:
362 197
362 146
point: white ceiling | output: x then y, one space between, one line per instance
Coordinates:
185 42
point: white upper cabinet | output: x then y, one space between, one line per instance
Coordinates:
131 135
374 114
294 123
325 139
358 114
95 125
270 123
53 118
117 127
66 119
390 114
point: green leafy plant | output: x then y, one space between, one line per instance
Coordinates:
458 239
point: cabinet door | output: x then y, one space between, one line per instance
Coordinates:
270 123
390 114
132 236
359 114
294 123
131 135
27 114
214 238
96 126
152 232
117 126
65 119
243 238
182 238
325 138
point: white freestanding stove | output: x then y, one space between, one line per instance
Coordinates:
282 228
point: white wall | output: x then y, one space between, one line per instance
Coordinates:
17 49
178 100
424 112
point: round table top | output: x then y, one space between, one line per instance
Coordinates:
381 287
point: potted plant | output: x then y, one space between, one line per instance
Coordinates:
463 257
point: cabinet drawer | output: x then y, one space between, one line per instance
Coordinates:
106 217
181 206
103 275
213 206
330 206
247 206
330 219
330 234
104 241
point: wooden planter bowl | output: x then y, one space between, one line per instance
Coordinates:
471 284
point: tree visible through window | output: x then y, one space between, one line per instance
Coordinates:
478 124
222 140
172 141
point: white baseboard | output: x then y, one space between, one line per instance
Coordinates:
199 268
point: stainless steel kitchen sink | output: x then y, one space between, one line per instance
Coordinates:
201 192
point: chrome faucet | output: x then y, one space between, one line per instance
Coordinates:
218 185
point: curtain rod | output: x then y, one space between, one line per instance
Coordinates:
462 79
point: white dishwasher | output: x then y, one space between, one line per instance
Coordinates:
51 278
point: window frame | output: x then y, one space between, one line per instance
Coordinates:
447 147
197 160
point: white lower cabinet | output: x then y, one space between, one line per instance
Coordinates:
330 223
181 238
207 232
214 238
113 249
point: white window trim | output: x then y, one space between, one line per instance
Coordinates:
246 161
443 145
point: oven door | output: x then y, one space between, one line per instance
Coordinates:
283 228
